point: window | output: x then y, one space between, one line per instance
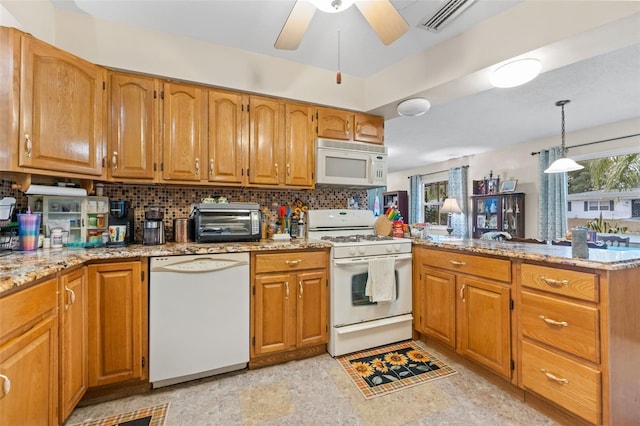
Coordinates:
434 196
598 205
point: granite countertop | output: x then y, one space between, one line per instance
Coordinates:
607 259
20 268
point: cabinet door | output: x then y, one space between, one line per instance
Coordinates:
74 376
299 149
132 126
311 326
273 325
369 128
30 363
439 305
182 157
62 109
483 323
266 149
116 323
334 124
226 144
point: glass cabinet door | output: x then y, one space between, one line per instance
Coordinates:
64 213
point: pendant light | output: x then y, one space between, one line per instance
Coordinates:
563 164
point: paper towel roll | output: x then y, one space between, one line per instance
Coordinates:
55 190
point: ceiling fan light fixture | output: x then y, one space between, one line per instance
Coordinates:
516 73
413 107
332 6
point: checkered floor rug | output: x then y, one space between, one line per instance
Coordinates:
391 368
150 416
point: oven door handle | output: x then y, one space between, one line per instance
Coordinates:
365 260
372 324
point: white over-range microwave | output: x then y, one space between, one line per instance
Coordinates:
350 164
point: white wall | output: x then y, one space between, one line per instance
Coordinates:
516 162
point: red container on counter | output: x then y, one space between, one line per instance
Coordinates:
398 228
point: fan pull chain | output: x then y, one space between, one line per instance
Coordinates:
339 74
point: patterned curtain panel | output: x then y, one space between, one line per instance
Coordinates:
415 198
553 198
458 190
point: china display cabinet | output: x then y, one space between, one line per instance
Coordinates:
498 213
398 200
84 218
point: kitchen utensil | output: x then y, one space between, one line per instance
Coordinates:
383 226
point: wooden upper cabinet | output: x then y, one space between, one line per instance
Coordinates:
335 124
62 110
266 156
184 117
133 127
226 137
299 149
369 128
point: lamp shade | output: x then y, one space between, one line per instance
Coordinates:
562 165
450 206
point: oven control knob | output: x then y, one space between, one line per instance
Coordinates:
352 251
389 249
397 247
361 250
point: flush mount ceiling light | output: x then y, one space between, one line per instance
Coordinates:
563 164
414 107
332 6
516 73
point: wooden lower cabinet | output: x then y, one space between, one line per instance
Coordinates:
29 356
289 307
468 313
74 335
118 323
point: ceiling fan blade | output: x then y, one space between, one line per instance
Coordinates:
385 20
295 26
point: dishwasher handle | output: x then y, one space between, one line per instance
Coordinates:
200 265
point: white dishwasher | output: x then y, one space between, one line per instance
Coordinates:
198 316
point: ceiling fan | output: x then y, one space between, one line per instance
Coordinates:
385 20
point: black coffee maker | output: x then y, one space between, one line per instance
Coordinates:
121 213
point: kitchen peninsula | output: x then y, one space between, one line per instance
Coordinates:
583 369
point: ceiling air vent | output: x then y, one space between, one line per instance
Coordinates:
448 12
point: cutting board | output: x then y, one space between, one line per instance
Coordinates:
383 226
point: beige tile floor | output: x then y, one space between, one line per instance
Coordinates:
316 391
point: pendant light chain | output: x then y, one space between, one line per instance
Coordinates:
561 104
339 74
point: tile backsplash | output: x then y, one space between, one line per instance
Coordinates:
177 200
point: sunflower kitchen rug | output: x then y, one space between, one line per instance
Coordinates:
391 368
149 416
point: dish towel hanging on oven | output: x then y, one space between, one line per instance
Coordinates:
381 282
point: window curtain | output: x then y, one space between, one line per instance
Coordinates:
415 198
458 190
553 198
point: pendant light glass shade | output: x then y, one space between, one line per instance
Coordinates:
563 164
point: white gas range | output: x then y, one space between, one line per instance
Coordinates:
356 322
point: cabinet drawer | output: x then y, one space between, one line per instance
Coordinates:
24 308
567 326
291 261
487 267
570 384
580 285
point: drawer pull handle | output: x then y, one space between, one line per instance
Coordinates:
29 146
456 263
6 385
554 283
293 262
114 160
286 290
300 289
197 166
553 322
211 167
462 292
554 377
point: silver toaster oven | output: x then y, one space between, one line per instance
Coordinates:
217 222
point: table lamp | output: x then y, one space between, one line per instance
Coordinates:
450 206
